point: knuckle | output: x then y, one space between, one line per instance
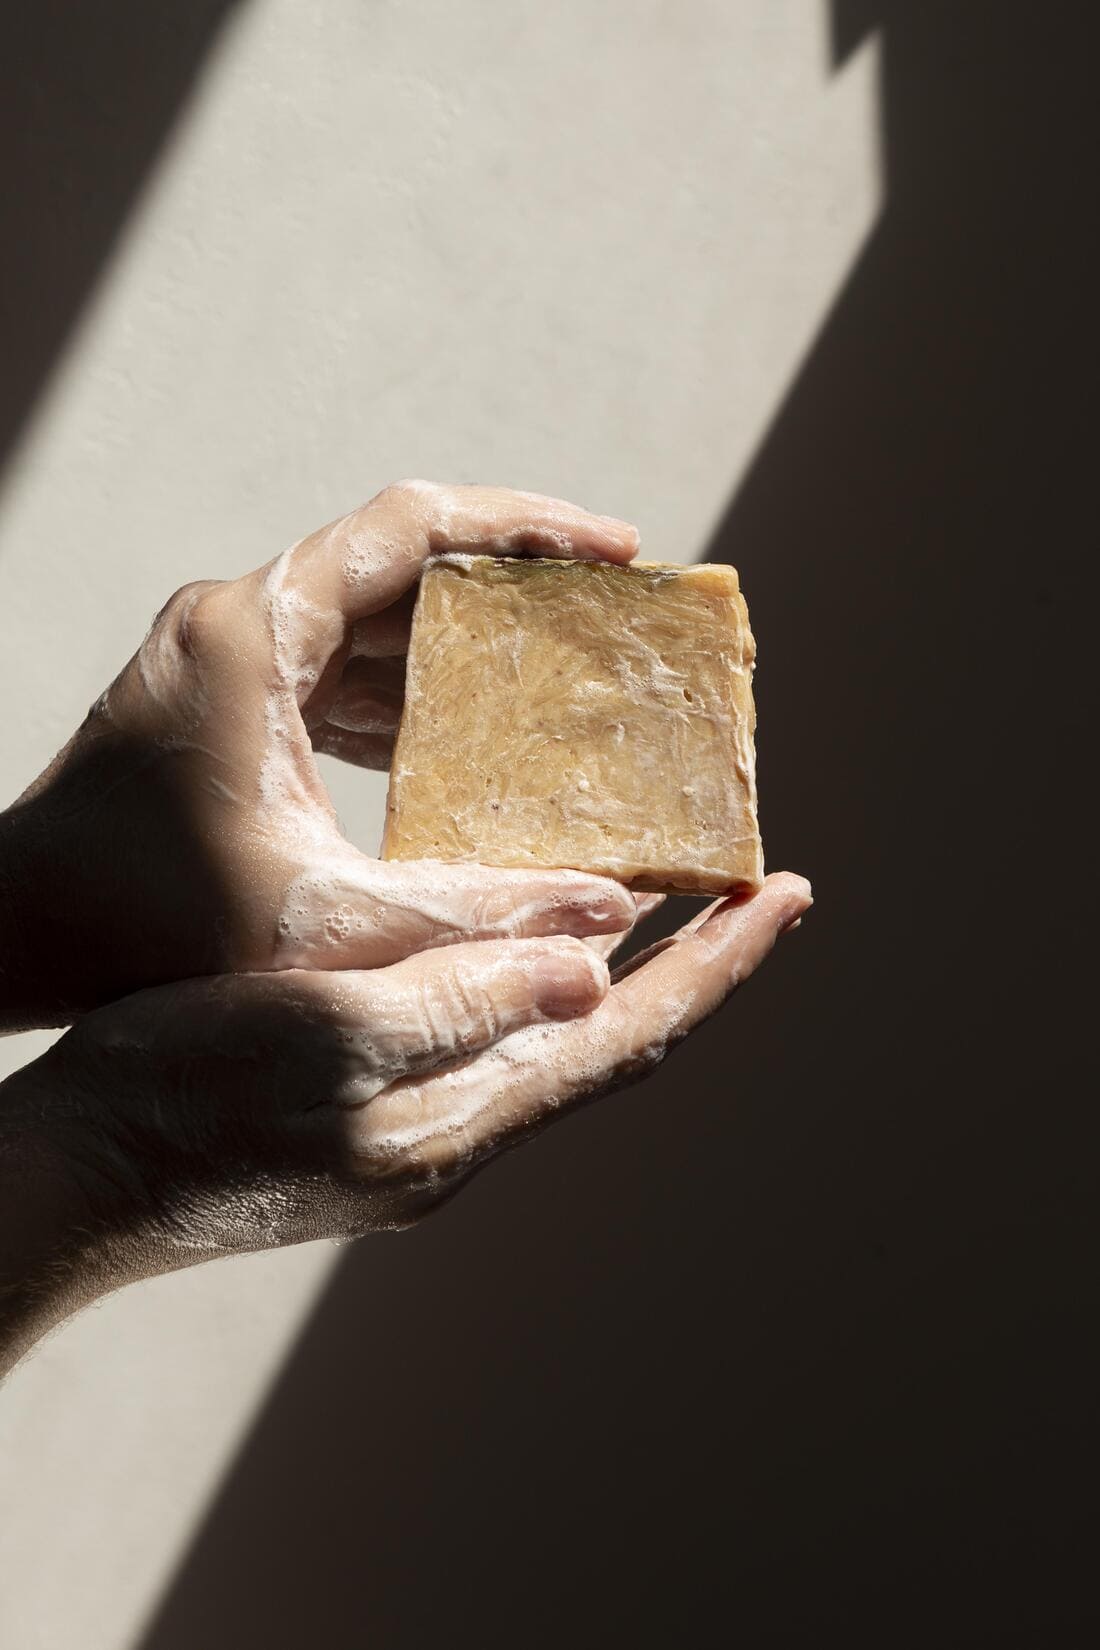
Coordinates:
203 624
193 618
433 1169
460 1010
652 1048
500 910
405 496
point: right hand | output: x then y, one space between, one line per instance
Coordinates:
249 1111
185 829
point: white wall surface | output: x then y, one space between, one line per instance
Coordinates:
577 248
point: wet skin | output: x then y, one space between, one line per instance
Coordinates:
296 1041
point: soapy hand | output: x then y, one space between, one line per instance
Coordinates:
185 829
248 1111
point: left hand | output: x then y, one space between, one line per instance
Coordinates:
185 829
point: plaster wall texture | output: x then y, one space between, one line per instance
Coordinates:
579 249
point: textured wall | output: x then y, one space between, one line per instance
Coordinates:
579 248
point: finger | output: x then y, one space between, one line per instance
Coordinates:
385 635
444 1125
640 958
359 690
605 945
361 750
360 564
355 912
369 697
427 1010
503 522
709 959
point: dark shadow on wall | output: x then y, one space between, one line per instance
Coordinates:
787 1347
88 93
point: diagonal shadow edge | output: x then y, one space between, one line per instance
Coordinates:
88 96
878 479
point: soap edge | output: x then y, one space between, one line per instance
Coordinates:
701 887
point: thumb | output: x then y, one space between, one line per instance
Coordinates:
353 568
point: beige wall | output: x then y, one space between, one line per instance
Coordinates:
577 248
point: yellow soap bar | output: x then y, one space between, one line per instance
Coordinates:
576 714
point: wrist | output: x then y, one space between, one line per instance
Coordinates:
25 1004
63 1244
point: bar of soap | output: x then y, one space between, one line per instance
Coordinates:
575 714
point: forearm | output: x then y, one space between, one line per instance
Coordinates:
104 863
58 1250
62 860
64 873
31 900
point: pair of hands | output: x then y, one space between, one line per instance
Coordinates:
301 1041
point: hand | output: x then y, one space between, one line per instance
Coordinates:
185 829
244 1112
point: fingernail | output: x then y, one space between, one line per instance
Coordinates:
566 986
626 528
